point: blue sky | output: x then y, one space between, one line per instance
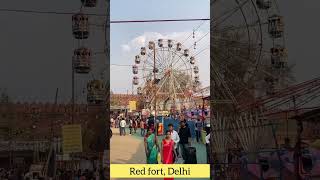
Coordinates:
125 34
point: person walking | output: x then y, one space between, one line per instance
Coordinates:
142 128
185 140
130 125
134 125
167 151
151 147
116 123
175 138
208 134
123 127
151 123
199 127
112 122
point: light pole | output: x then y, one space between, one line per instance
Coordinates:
35 115
155 89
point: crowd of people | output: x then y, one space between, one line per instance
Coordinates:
176 145
61 174
78 175
132 122
12 174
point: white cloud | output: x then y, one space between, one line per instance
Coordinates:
126 48
143 39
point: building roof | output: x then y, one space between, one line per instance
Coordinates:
311 115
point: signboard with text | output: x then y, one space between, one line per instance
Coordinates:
132 105
72 138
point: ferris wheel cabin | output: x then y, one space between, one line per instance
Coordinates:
179 47
82 60
80 26
143 51
160 42
196 69
270 81
135 80
196 78
151 45
263 4
155 70
276 26
139 91
137 59
89 3
186 52
135 69
192 60
278 57
170 43
96 92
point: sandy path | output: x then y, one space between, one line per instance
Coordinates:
126 150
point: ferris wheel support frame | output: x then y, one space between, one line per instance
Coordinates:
155 89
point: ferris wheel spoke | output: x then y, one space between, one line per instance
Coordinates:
179 87
182 70
184 78
160 61
236 28
158 90
148 68
164 58
167 57
174 90
234 77
181 64
151 62
227 93
227 14
235 43
186 68
173 55
179 60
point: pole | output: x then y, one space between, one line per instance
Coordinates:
72 99
51 122
297 150
278 150
72 111
155 89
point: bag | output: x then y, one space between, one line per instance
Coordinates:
159 158
192 156
174 155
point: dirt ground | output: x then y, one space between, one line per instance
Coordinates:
126 150
130 150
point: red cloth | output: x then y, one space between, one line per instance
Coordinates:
168 155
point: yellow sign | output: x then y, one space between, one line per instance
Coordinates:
132 105
149 171
72 138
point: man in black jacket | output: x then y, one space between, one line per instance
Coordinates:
185 139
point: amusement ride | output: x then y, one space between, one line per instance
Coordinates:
167 72
89 57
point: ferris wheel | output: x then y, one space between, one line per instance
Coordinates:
249 59
166 72
249 56
89 57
